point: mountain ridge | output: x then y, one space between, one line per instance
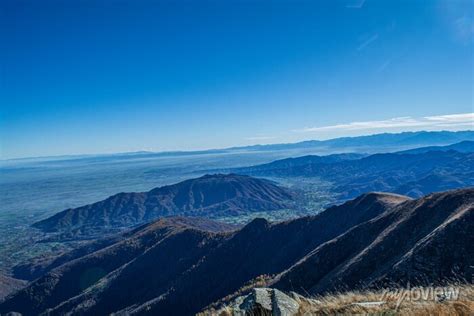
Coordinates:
370 240
415 139
409 173
386 256
245 251
209 195
411 139
465 146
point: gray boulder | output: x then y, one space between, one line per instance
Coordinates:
283 305
262 301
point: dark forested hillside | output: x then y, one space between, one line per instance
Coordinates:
413 173
170 267
210 195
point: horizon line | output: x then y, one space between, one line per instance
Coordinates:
219 149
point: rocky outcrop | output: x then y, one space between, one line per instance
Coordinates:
454 299
260 301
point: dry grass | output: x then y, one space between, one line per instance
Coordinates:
381 303
259 281
348 303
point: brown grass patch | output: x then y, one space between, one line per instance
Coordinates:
379 303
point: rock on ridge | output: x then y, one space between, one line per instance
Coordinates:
260 301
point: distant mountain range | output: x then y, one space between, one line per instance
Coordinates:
208 196
290 163
178 267
462 147
377 143
415 172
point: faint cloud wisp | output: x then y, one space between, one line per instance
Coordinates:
355 4
384 66
440 121
368 41
464 27
459 16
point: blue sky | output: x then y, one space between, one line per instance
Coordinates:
111 76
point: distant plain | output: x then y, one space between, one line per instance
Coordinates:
33 189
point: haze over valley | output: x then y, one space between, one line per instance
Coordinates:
35 189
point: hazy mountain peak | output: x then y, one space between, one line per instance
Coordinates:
209 195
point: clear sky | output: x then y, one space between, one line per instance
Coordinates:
112 76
